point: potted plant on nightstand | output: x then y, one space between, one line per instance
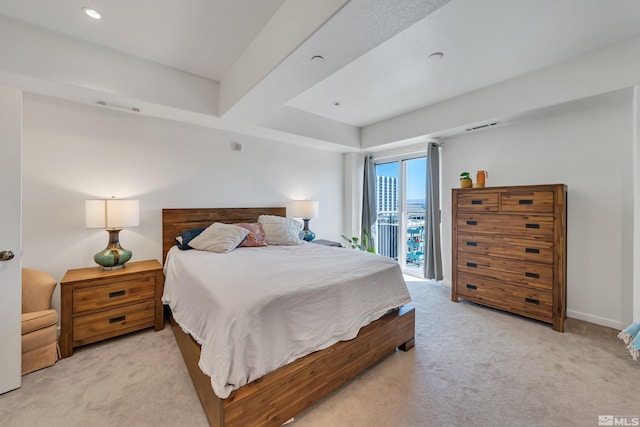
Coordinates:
465 180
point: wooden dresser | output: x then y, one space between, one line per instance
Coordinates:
97 304
509 249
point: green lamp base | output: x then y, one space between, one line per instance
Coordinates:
114 256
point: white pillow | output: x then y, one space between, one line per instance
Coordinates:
280 230
219 237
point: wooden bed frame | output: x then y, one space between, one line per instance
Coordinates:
279 395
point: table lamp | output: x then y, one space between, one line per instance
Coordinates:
305 209
113 215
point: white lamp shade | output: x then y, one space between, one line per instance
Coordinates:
305 209
112 213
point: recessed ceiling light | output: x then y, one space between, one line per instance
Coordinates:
317 59
436 56
91 13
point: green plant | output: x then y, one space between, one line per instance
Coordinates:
365 243
465 175
354 242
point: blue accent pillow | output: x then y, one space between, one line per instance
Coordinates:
183 239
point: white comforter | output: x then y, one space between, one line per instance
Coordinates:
254 310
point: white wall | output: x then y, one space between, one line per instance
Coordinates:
590 150
73 152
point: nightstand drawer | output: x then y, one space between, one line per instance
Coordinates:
112 292
97 326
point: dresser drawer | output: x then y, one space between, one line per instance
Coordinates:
507 247
515 225
527 201
112 292
96 326
474 201
505 296
518 272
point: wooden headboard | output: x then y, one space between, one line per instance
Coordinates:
175 221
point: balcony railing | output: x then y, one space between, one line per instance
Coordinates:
388 239
388 235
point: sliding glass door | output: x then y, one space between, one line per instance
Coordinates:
401 208
414 213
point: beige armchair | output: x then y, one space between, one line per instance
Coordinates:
39 335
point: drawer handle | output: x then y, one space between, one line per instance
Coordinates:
472 243
532 226
117 319
525 202
532 250
117 293
472 222
532 275
472 265
476 202
474 287
532 301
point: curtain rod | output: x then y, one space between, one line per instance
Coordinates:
413 150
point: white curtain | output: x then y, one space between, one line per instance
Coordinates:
433 255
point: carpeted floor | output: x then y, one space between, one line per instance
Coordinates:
472 366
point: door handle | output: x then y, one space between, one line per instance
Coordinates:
6 255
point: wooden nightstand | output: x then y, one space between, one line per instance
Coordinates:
98 304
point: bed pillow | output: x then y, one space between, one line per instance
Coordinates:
256 236
280 230
219 237
183 239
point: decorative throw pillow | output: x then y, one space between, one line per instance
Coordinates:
183 239
280 230
256 236
219 237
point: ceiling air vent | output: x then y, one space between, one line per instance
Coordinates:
487 125
111 104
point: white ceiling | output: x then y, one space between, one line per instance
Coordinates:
483 41
201 37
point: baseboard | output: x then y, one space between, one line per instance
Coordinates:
615 324
602 321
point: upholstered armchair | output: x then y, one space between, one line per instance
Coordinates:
39 334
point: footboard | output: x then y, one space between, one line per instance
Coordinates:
278 396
